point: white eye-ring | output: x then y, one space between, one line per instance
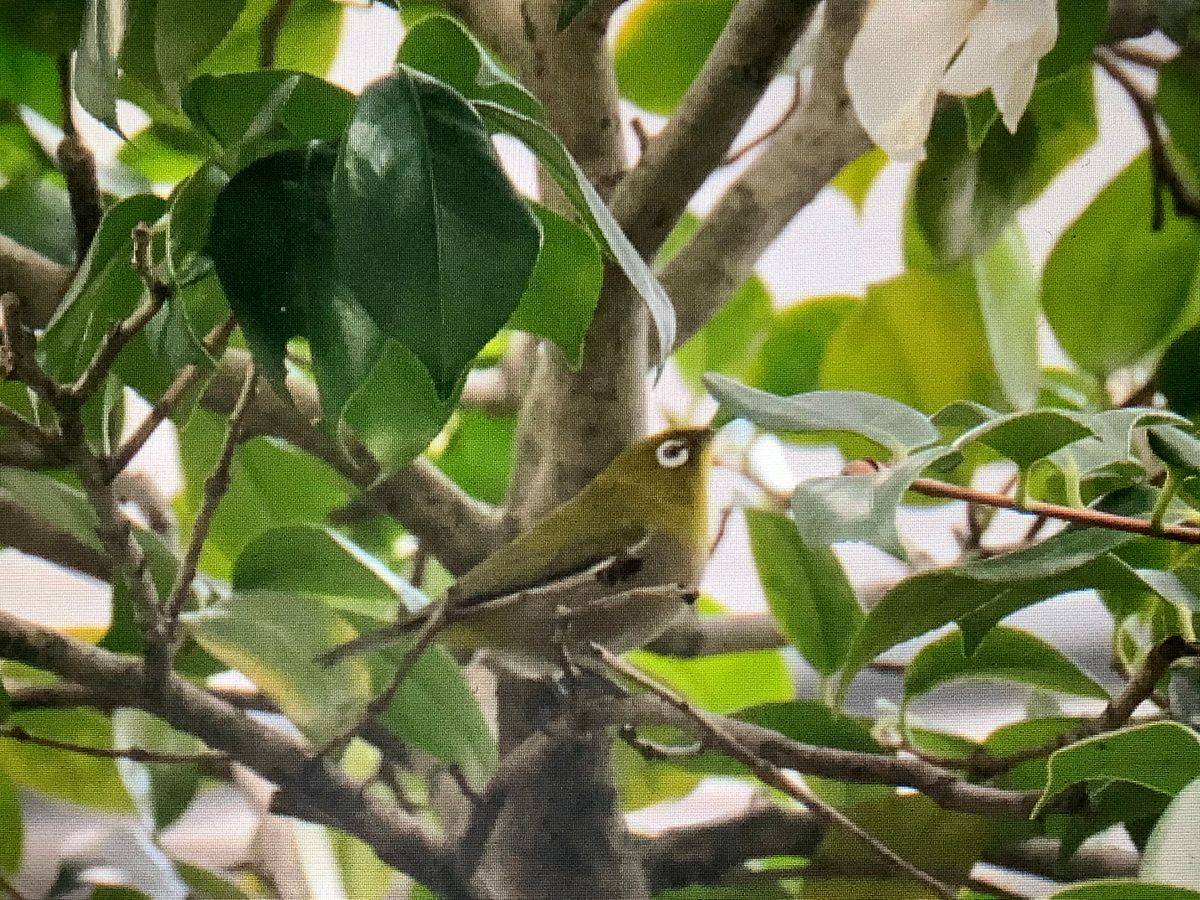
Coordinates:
673 453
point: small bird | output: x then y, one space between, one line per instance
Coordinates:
615 564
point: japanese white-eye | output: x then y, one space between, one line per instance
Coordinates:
641 523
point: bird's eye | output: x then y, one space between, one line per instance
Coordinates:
672 454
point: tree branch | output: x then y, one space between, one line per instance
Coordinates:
809 149
211 760
754 43
78 167
713 635
398 839
40 282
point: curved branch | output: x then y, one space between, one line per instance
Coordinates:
714 635
398 839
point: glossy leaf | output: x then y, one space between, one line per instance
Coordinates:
919 338
87 780
1008 302
890 424
273 244
1176 447
274 639
431 238
591 207
564 288
1162 756
440 46
1004 654
1172 855
1114 288
94 78
165 152
320 563
859 507
1028 436
806 589
185 33
661 46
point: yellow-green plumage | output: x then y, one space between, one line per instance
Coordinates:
650 502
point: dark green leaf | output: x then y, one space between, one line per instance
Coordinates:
36 212
272 241
28 77
789 358
1178 87
227 105
919 338
1005 654
890 424
94 78
569 10
1113 288
87 780
1008 301
1162 756
48 26
1080 27
561 295
185 33
320 563
661 46
1177 374
189 222
859 507
441 47
1176 447
593 210
1028 436
806 589
431 237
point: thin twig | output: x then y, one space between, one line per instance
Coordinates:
1187 201
214 344
713 733
797 100
270 31
1185 534
1115 715
137 754
121 333
215 488
1140 56
654 751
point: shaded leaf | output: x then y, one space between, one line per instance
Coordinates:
185 33
1122 889
1178 86
789 360
806 589
1008 302
12 836
94 78
1025 437
1172 855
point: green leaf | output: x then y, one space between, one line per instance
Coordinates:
1025 437
564 288
105 290
36 212
227 105
479 453
1162 756
1171 855
440 46
94 78
591 207
1178 86
724 683
569 10
185 33
12 837
1008 302
204 884
165 152
1113 288
431 237
856 177
728 341
64 507
1001 584
161 790
919 338
262 491
859 507
893 425
1064 111
274 639
318 562
1004 654
661 46
397 411
793 348
1176 447
806 589
1080 26
87 780
1123 889
272 241
1176 374
308 39
964 199
49 26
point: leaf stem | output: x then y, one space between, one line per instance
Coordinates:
1165 494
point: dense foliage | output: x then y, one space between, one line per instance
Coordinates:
379 267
